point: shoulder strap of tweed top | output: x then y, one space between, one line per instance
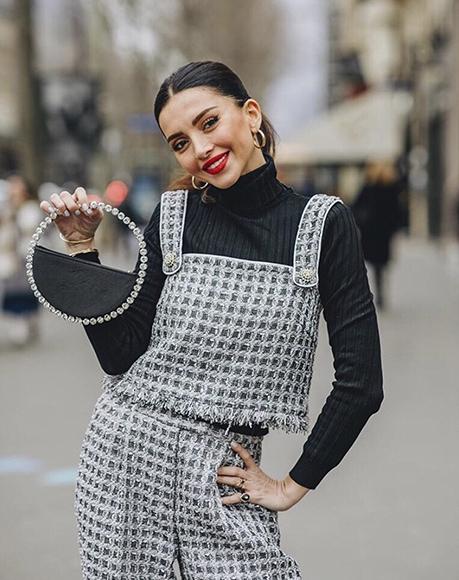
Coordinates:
309 238
172 220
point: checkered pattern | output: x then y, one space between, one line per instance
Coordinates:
233 340
147 494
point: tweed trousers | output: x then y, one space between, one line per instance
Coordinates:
146 495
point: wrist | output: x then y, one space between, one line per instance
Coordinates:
293 489
92 251
77 248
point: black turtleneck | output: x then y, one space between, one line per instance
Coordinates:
257 219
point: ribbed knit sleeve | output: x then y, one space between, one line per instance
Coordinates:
120 342
350 315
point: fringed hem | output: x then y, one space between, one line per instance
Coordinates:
288 423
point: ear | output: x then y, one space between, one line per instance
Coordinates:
252 111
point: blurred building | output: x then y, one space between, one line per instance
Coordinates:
8 86
399 49
411 44
93 125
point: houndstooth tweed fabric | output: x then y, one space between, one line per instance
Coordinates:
233 340
147 494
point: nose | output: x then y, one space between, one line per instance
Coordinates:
202 147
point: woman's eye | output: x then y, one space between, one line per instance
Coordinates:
210 122
179 145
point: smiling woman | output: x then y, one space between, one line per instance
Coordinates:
216 131
218 349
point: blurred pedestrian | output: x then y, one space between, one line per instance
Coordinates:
19 217
378 213
217 348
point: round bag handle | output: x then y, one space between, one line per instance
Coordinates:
136 287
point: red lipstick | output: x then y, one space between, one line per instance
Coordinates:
218 162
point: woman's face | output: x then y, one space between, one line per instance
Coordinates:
211 136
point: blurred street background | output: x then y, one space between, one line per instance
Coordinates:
364 96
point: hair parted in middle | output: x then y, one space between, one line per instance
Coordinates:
220 78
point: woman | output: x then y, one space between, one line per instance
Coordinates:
378 213
218 348
18 220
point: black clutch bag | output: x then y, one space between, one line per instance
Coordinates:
78 290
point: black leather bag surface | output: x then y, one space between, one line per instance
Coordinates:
78 287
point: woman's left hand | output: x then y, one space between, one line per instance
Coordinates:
277 495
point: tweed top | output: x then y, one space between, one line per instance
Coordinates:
233 340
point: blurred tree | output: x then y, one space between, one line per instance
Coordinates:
244 35
29 142
135 44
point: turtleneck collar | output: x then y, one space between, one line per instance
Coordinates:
252 191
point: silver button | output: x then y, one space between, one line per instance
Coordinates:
307 274
169 259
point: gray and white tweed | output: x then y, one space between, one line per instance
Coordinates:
233 340
147 494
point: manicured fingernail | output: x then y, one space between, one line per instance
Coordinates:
77 212
84 207
89 212
233 444
66 213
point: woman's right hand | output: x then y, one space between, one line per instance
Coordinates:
75 219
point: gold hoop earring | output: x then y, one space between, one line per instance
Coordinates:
257 144
193 183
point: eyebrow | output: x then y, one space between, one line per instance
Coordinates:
193 122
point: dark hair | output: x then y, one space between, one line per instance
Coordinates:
216 76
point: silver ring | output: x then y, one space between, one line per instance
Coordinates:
245 497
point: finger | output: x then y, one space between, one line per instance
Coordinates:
232 481
69 202
232 470
58 204
243 454
47 207
231 499
97 213
82 199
